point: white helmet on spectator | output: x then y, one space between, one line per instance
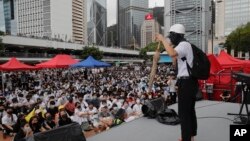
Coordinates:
177 28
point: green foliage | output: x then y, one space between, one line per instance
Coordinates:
1 33
239 39
150 48
93 51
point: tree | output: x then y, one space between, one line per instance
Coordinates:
151 47
239 39
93 51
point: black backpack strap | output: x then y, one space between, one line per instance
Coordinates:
188 67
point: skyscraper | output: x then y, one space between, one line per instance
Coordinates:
7 15
148 29
2 17
158 13
79 21
58 19
130 18
97 22
237 12
220 20
195 15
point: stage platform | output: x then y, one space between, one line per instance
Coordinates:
213 125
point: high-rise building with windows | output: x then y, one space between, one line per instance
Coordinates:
7 16
219 20
58 19
195 15
236 13
97 22
2 17
130 18
148 30
79 19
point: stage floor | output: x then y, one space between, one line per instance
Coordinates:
213 125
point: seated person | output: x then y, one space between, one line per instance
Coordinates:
105 118
8 121
24 131
80 117
137 108
119 117
93 115
48 123
64 119
35 125
2 113
225 95
70 106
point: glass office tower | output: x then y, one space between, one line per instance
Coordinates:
2 17
97 22
131 15
237 12
195 15
6 15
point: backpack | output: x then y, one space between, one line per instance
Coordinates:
169 117
201 64
151 108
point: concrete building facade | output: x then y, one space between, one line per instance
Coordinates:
57 19
148 30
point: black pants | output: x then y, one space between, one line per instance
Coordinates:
8 130
187 89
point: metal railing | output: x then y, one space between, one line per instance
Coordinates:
32 55
44 55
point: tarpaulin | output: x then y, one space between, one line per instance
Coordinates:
59 61
13 64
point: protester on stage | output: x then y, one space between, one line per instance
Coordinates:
177 47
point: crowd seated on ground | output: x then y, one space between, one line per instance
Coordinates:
41 100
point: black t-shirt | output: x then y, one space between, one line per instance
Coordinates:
51 124
64 122
20 136
36 128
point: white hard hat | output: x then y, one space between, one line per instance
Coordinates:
177 28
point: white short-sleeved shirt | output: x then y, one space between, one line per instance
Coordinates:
137 108
184 49
8 120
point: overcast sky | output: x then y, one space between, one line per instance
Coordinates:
111 6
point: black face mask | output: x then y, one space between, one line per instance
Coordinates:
176 38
